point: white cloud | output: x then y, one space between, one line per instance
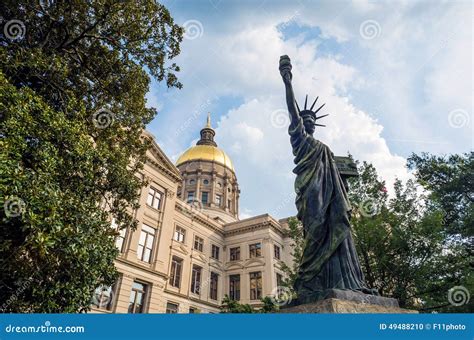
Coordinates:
414 72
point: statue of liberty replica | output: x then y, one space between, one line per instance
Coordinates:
329 266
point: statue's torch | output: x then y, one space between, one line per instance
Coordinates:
285 67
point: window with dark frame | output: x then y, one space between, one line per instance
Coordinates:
196 280
234 253
255 250
198 243
154 198
137 297
192 310
171 308
204 197
145 243
190 198
179 234
276 251
213 285
234 287
279 279
120 239
175 274
255 285
215 252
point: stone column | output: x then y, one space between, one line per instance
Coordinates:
213 188
183 187
198 185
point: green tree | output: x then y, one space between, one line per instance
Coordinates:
232 306
72 100
449 182
295 232
402 243
449 185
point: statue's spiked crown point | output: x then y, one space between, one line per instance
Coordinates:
310 112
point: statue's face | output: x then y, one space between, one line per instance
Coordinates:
309 122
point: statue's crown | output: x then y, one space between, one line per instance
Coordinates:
309 112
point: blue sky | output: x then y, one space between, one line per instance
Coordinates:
396 77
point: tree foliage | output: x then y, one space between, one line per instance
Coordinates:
232 306
402 243
295 232
72 103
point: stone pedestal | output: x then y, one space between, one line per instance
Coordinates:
344 301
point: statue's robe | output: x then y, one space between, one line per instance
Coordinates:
329 257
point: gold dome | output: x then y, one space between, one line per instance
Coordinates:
206 153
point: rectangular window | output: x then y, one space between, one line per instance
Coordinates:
120 238
171 308
255 285
145 243
276 251
137 297
179 234
215 252
213 285
279 278
175 275
192 310
228 204
198 243
196 280
190 196
154 198
255 250
218 200
204 197
235 254
234 287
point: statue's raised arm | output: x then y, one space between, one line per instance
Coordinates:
285 71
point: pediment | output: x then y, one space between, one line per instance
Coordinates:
234 265
254 262
199 257
158 158
216 265
180 248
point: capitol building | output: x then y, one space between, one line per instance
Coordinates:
190 248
